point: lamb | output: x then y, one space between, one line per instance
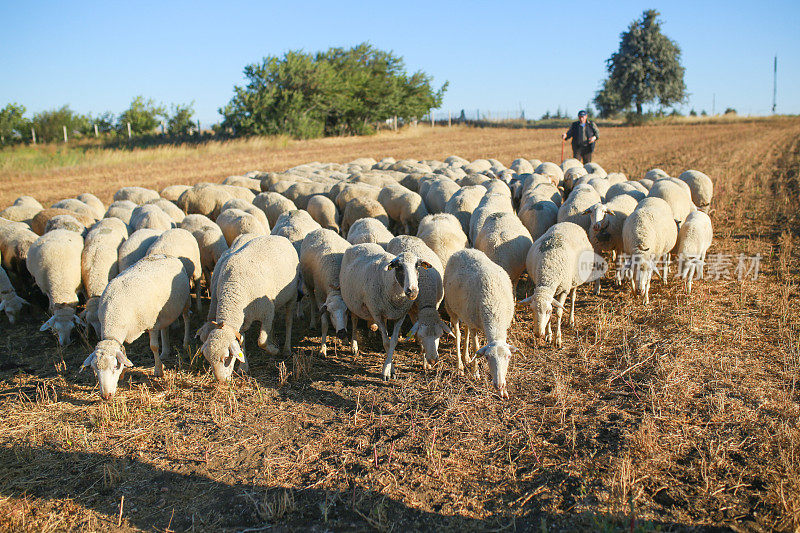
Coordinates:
122 210
54 261
701 186
9 301
427 326
463 203
149 296
20 213
137 195
182 244
256 281
359 208
369 230
100 264
679 200
94 203
442 233
135 247
324 212
320 264
439 193
295 225
150 216
273 205
478 293
607 219
405 208
506 241
16 239
491 203
234 222
647 234
580 199
377 287
558 262
694 239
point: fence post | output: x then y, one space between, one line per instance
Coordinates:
65 134
129 131
395 123
163 128
449 119
33 135
432 123
95 131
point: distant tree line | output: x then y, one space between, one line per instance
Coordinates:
144 116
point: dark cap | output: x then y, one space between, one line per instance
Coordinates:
581 113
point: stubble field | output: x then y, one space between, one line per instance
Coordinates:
682 415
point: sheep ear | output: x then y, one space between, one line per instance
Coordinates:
2 305
49 324
447 329
514 349
323 308
78 320
123 359
413 330
88 361
392 264
558 304
424 264
236 351
527 300
482 351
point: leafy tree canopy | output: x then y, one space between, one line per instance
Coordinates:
336 92
49 125
143 115
645 69
12 122
181 122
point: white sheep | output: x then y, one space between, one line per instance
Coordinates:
478 293
694 239
54 261
324 212
122 210
359 208
552 171
137 195
99 264
20 213
427 325
463 203
182 244
295 225
174 192
505 240
631 188
273 205
10 302
538 215
135 247
648 234
346 191
210 240
255 282
170 209
369 230
701 186
655 174
404 207
320 263
678 198
569 163
522 166
558 262
491 203
150 216
574 207
16 239
39 222
72 204
206 199
149 296
67 222
595 168
377 287
94 203
234 222
442 233
439 192
28 201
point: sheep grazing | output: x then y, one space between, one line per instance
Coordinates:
54 261
174 192
558 262
295 225
182 244
76 206
94 203
701 187
149 296
122 210
439 193
39 222
152 217
323 211
694 239
506 241
442 233
205 199
20 213
574 207
210 240
478 294
369 230
235 222
377 287
679 199
631 188
607 219
170 209
463 203
359 208
135 247
137 195
10 302
99 265
648 234
345 192
273 205
16 239
427 326
552 171
320 264
523 166
404 207
67 222
491 203
255 282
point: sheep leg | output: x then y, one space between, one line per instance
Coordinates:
353 339
548 335
158 368
466 345
264 336
186 328
165 347
475 372
559 312
324 320
597 287
287 345
388 367
197 287
459 361
689 277
572 307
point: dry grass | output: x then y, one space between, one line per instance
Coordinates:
681 415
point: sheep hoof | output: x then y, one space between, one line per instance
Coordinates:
388 372
158 372
323 350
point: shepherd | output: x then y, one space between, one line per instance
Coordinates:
583 134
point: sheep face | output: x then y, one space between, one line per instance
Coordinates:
498 355
62 323
542 306
598 215
428 337
337 311
12 305
406 272
222 350
108 361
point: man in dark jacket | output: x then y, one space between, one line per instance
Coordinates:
583 134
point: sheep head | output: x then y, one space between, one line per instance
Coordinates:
542 305
62 323
222 349
337 311
498 355
12 305
429 333
108 360
406 271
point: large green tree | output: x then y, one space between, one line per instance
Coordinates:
645 69
143 115
181 121
12 123
49 125
336 92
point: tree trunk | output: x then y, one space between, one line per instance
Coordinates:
639 108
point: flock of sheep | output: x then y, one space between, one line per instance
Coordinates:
369 240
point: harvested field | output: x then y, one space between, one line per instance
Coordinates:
682 415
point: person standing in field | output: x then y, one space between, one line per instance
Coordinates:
583 134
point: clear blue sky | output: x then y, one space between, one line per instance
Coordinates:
96 56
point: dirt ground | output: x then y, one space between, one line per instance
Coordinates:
677 416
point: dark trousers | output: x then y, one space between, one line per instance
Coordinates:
583 153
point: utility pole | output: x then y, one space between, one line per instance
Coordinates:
775 84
